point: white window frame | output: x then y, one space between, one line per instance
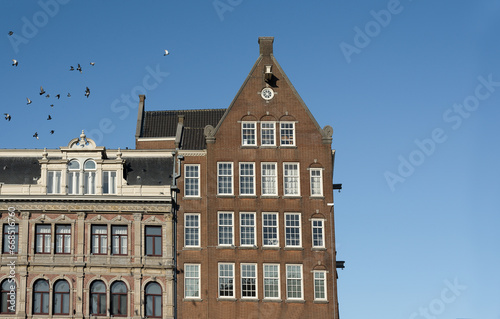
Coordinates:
231 178
282 129
287 179
262 130
316 192
89 178
186 226
299 227
109 178
255 278
271 278
301 279
244 141
231 278
229 226
73 178
322 228
54 179
251 227
264 243
186 278
271 179
252 177
186 178
315 281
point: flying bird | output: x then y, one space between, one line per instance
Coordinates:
29 101
87 92
49 118
7 116
58 96
11 33
47 96
166 53
51 131
14 62
79 68
42 91
92 63
71 68
69 95
36 135
52 105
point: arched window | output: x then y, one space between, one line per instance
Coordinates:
41 297
8 297
98 298
61 298
153 300
118 299
89 169
73 177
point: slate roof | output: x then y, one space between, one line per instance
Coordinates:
164 124
149 170
19 170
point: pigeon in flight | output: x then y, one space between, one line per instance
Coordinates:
69 95
29 101
11 33
51 131
92 63
79 68
52 105
36 135
87 92
14 62
49 118
42 91
47 96
71 68
58 96
166 53
7 116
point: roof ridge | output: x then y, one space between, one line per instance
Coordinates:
191 110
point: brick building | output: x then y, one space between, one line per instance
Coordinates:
86 233
253 202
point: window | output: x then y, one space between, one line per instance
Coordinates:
226 279
8 297
109 182
192 230
248 130
99 239
292 230
43 239
192 180
63 239
247 229
267 131
225 178
73 177
119 235
153 300
153 241
61 298
291 182
318 240
248 281
225 222
319 285
287 133
10 240
89 177
53 182
294 281
191 281
98 298
247 178
41 297
118 299
316 181
269 176
272 281
270 229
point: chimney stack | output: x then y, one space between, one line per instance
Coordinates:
266 45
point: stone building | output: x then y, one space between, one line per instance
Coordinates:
86 232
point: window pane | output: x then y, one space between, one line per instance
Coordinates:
292 229
271 281
225 178
248 133
247 179
191 180
248 281
191 230
270 229
269 185
225 228
294 281
247 233
287 133
267 133
291 179
226 277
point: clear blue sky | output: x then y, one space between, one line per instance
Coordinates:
411 88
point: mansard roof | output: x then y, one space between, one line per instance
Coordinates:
19 170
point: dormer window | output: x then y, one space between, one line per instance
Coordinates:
89 169
76 174
73 177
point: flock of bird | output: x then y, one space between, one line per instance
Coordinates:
15 63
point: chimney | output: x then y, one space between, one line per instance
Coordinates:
266 45
140 116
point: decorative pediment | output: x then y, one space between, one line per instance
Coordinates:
99 218
82 143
